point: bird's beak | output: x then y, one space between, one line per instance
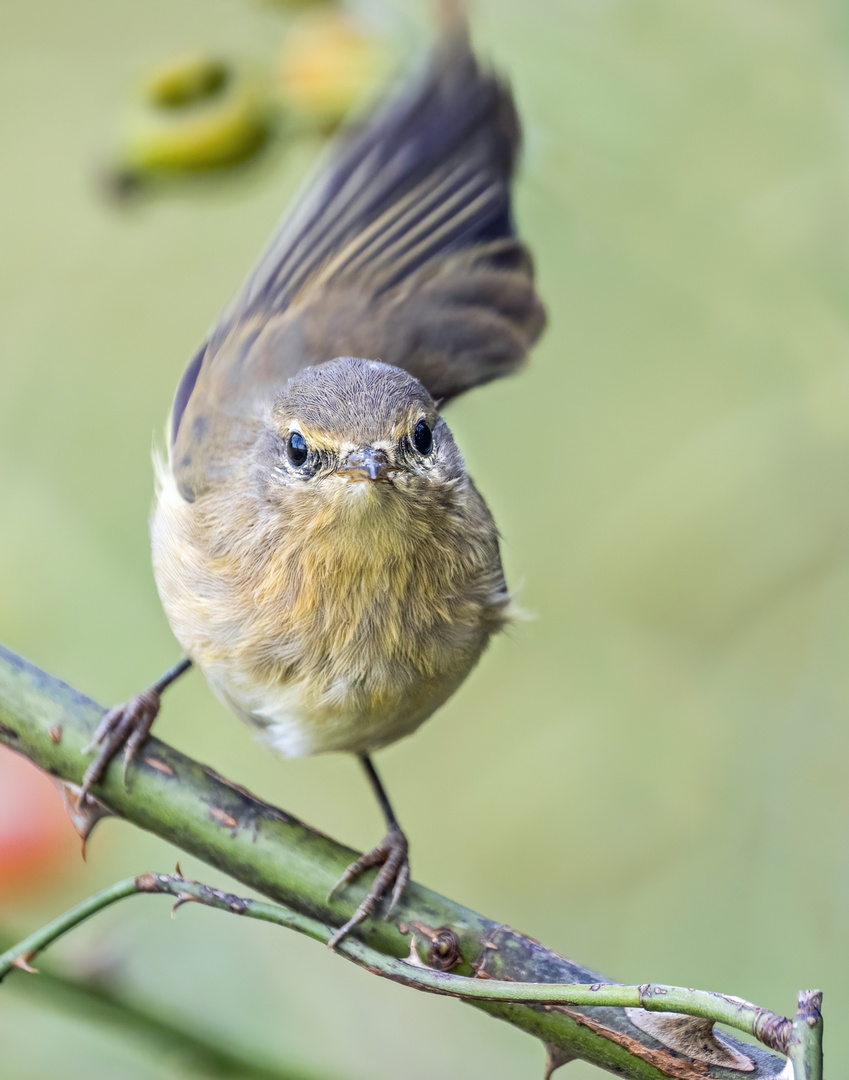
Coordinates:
366 464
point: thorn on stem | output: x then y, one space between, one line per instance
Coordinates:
555 1056
414 960
223 818
23 962
184 898
83 814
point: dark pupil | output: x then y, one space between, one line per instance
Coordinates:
296 448
422 438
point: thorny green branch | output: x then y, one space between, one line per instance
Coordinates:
270 851
412 972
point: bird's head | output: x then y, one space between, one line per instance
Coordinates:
360 433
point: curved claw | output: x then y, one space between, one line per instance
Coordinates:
126 726
392 855
401 883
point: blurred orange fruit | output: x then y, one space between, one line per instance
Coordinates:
328 63
36 838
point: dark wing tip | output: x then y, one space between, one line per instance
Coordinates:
450 134
184 390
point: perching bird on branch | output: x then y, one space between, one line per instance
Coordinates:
321 553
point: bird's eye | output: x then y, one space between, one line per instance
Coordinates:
296 448
422 437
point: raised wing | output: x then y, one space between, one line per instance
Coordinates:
402 249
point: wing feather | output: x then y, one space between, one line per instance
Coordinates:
406 229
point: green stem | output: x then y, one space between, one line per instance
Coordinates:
20 955
805 1043
268 850
651 996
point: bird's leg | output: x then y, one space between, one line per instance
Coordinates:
391 854
127 725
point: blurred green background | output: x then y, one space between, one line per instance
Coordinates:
650 773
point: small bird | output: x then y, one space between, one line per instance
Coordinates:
320 551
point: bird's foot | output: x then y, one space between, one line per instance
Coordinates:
126 726
392 855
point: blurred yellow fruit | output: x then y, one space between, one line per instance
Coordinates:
194 113
329 62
